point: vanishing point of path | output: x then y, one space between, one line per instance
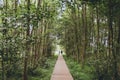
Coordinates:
61 71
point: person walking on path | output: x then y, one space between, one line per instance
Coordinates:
60 52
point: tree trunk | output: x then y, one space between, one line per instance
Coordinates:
84 41
98 25
111 42
25 77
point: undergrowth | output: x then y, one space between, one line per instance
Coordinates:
44 72
80 72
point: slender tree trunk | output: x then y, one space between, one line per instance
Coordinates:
25 77
2 64
118 39
84 42
4 22
98 26
116 75
111 43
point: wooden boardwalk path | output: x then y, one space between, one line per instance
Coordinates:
61 71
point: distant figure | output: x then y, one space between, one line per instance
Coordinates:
60 52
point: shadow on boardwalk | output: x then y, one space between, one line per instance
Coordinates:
61 71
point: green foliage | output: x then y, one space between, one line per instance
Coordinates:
83 30
43 72
80 72
25 33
